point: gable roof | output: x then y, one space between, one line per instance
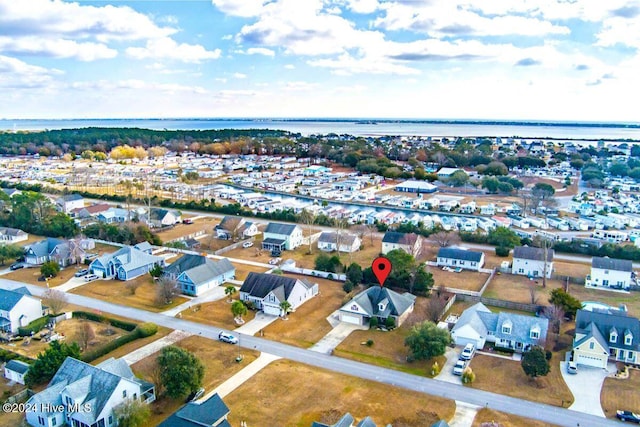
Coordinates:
129 258
44 247
283 229
200 269
400 238
461 254
70 198
347 420
260 284
531 253
606 321
230 223
9 299
17 366
607 263
332 237
395 304
8 231
471 317
195 414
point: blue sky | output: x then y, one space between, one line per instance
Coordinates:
497 59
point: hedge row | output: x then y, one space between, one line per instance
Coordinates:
121 324
6 355
33 327
141 331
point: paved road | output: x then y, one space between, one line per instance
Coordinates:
542 412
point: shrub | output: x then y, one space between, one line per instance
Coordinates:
390 322
548 355
373 322
146 329
435 368
348 286
90 356
33 327
502 251
116 323
369 343
468 376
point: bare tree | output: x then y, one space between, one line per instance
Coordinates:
340 224
533 292
546 244
445 238
360 230
166 290
155 374
555 314
414 243
371 231
525 200
55 300
435 306
132 286
85 335
308 218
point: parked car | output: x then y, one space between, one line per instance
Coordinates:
459 367
195 395
228 338
187 221
572 367
16 266
628 416
276 252
468 352
247 244
91 277
274 261
82 272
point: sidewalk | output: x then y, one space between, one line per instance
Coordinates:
152 347
464 416
238 379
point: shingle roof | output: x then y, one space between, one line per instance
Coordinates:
210 269
471 316
535 254
260 284
199 414
7 231
44 247
607 263
230 223
332 237
8 299
71 197
605 321
461 254
399 238
17 366
277 228
370 298
129 258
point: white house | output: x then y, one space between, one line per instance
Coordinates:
126 263
529 261
15 370
197 274
610 273
460 258
18 308
282 236
78 385
163 217
233 226
69 202
12 235
411 243
328 242
267 291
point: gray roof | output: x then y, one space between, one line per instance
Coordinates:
44 247
441 423
195 414
535 254
129 258
332 237
70 197
17 366
607 263
400 238
158 214
143 246
260 284
8 299
471 316
230 223
282 229
396 304
200 269
7 231
587 322
461 254
366 422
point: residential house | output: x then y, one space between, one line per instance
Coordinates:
610 273
15 370
11 192
211 413
69 202
267 291
329 242
18 308
418 187
12 235
603 335
478 325
282 236
460 258
78 385
411 243
115 215
347 420
444 173
90 211
197 274
235 227
163 217
64 252
529 261
125 264
378 302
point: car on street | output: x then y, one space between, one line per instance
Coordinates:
572 367
468 352
459 367
247 244
628 416
82 272
228 338
16 266
91 277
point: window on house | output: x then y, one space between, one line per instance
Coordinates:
606 272
124 393
506 329
54 421
110 419
40 420
613 336
591 346
628 339
535 335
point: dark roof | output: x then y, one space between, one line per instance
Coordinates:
347 420
8 299
607 263
194 414
332 237
462 254
606 321
17 366
399 238
260 284
187 262
71 197
394 304
535 254
230 223
276 228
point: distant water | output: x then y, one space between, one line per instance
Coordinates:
435 128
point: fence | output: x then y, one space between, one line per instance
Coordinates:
484 287
315 273
572 280
20 396
532 308
233 246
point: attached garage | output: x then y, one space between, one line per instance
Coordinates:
589 360
271 310
354 319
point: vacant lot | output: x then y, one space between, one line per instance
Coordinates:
134 345
468 280
30 275
205 224
621 394
216 313
505 420
243 270
218 359
505 376
279 397
115 291
308 324
516 288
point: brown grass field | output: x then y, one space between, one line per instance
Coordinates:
504 376
467 280
30 275
280 398
515 288
216 313
134 345
181 230
115 291
243 270
218 359
505 420
308 324
621 394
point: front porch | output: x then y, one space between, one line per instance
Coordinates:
624 356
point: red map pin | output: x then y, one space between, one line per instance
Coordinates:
381 267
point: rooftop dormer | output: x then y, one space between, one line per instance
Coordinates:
507 326
613 335
382 305
628 337
534 333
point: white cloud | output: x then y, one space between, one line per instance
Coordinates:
167 48
346 65
239 75
57 48
260 51
242 8
16 74
290 66
298 86
363 6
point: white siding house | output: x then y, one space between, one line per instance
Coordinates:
610 273
528 261
17 309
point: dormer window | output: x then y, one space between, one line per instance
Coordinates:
628 338
382 305
534 333
613 336
506 327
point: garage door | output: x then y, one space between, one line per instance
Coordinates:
590 361
351 318
271 310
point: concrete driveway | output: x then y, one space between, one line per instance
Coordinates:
335 337
465 414
253 326
586 386
446 373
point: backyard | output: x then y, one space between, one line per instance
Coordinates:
517 288
31 275
205 224
467 280
621 394
281 396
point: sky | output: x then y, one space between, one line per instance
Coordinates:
575 60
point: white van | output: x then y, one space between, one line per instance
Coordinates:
468 352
